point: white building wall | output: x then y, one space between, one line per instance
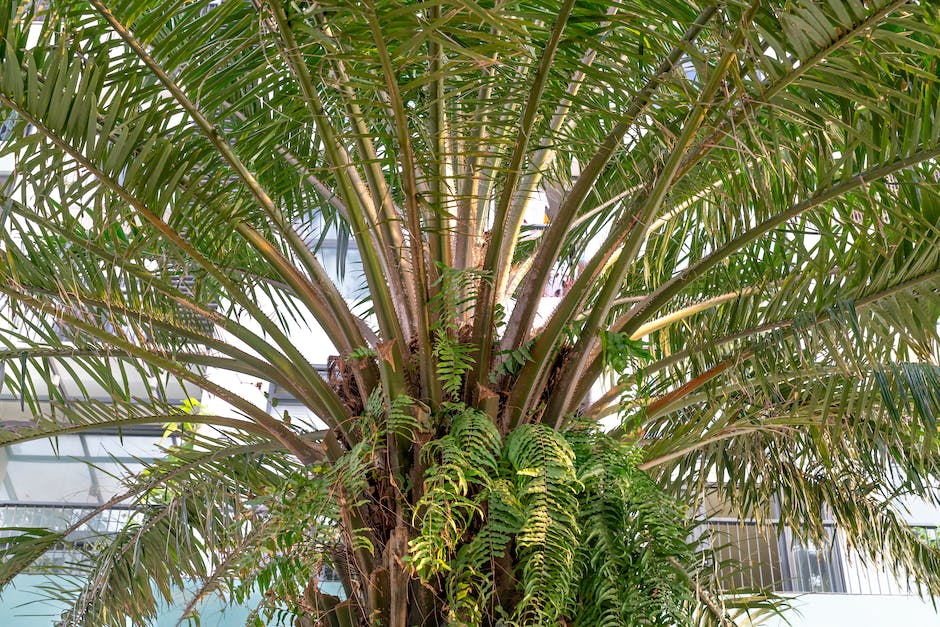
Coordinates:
847 610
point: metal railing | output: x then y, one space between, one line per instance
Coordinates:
749 556
771 557
58 518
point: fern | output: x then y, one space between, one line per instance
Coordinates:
454 360
401 418
470 588
511 361
632 536
362 352
547 486
458 481
477 437
594 541
622 354
457 292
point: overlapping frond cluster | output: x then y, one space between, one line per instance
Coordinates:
597 541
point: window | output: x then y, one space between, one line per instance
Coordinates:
812 568
282 404
754 555
81 469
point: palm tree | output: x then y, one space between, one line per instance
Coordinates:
741 234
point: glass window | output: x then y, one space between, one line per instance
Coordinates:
65 446
125 447
752 555
52 481
89 468
813 568
281 401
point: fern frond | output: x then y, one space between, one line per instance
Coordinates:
632 536
547 486
454 359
